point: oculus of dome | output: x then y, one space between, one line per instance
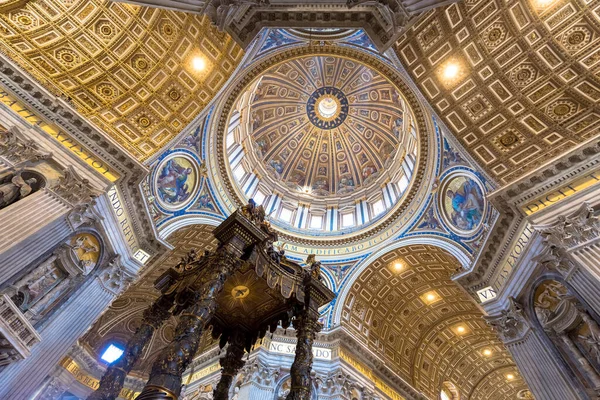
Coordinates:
327 108
258 167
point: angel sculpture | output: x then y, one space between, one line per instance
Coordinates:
314 266
16 189
277 254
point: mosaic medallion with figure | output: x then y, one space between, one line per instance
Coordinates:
463 203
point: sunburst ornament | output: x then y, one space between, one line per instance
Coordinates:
240 292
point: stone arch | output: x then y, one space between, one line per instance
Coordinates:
447 245
421 323
178 223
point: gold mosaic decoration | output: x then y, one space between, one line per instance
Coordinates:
128 69
527 88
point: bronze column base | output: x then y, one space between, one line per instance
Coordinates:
306 325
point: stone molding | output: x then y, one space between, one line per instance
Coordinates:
383 20
546 178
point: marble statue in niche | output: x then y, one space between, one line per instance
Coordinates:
570 327
15 187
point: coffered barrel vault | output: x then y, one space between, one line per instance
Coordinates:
527 86
132 71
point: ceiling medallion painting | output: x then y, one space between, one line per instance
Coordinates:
327 108
462 203
177 181
140 74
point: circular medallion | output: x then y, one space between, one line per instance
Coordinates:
240 292
462 203
176 181
327 107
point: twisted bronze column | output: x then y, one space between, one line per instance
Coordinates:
165 378
114 377
231 364
306 325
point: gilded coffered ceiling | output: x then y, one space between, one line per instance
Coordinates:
405 308
140 74
517 80
124 316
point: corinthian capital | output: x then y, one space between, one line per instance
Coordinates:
114 278
510 324
74 189
573 230
18 149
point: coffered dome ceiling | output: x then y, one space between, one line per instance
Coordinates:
322 131
325 124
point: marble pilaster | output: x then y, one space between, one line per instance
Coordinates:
31 227
540 368
21 380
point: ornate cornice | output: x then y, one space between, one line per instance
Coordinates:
551 175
